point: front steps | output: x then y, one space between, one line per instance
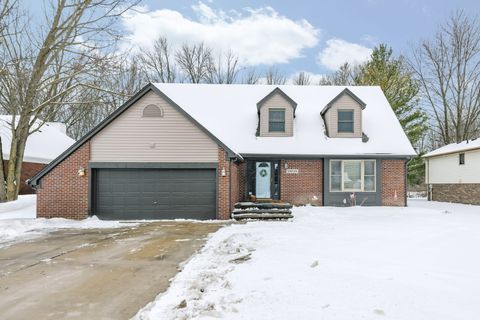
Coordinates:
262 210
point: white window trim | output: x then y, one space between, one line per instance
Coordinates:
362 168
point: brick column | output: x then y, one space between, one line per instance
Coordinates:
393 183
223 186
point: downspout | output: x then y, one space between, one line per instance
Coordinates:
406 181
230 187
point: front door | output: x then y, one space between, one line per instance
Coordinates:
263 179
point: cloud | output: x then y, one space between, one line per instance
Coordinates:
258 36
339 51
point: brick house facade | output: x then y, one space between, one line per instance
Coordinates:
29 169
174 163
63 193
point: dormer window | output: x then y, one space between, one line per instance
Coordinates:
276 114
345 121
343 116
276 120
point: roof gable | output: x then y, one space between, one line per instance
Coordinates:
150 87
347 92
277 90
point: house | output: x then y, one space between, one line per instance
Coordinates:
42 147
452 172
194 150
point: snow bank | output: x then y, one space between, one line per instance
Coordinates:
419 262
24 208
17 221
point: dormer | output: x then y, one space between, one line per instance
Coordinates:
343 116
276 113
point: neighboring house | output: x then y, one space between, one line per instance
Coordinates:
452 172
194 150
42 147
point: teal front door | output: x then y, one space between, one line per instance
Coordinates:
263 179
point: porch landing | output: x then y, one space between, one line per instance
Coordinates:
262 210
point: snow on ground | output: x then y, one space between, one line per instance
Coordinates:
419 262
17 221
23 208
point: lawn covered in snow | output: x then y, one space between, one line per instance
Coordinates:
420 262
18 222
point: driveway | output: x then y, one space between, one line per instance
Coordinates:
95 273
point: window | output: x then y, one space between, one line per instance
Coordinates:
352 175
461 158
276 120
345 121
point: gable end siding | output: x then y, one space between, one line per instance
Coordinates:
134 138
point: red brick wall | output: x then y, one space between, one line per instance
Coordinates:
223 187
62 193
306 187
235 184
29 169
242 181
393 182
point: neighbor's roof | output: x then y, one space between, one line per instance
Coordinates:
455 147
42 146
229 112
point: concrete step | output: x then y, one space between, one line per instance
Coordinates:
263 205
262 216
258 211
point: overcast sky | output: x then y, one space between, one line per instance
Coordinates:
300 35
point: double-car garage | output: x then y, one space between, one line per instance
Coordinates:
153 193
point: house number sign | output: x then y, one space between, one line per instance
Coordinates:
292 171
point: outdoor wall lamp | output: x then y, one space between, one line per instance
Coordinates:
224 173
81 172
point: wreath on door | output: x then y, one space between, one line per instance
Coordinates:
263 173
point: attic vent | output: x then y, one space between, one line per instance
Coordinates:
152 111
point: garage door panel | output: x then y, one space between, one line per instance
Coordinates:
155 193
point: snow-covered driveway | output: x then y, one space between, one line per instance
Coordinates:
420 262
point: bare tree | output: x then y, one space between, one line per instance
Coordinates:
302 79
6 7
45 67
274 76
118 84
448 69
224 70
251 76
195 61
158 62
344 76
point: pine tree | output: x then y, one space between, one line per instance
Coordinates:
397 82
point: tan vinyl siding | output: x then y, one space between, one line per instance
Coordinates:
171 138
345 102
276 102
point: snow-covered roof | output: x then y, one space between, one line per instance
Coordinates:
455 147
229 112
42 146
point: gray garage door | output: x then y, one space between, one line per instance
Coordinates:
154 193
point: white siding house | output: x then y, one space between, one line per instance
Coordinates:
453 172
